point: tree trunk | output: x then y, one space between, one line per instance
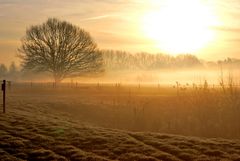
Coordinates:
57 80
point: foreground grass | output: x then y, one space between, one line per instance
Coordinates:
36 129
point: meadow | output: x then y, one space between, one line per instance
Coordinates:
120 122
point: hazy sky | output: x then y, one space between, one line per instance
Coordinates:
114 24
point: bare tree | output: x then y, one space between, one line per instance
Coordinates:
60 48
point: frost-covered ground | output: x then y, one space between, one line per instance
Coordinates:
53 124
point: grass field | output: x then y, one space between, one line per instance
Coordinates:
108 123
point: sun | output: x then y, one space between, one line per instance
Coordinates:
180 26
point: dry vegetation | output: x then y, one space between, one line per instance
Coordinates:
80 123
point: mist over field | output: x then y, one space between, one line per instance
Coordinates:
143 68
163 77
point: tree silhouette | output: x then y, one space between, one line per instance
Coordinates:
60 48
3 70
12 68
13 71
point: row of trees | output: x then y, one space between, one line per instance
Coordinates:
121 60
114 60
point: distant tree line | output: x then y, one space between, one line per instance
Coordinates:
115 60
121 60
10 72
230 62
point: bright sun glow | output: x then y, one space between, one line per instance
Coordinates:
180 26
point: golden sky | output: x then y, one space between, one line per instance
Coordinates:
131 24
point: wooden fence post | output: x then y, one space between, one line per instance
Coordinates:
4 95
